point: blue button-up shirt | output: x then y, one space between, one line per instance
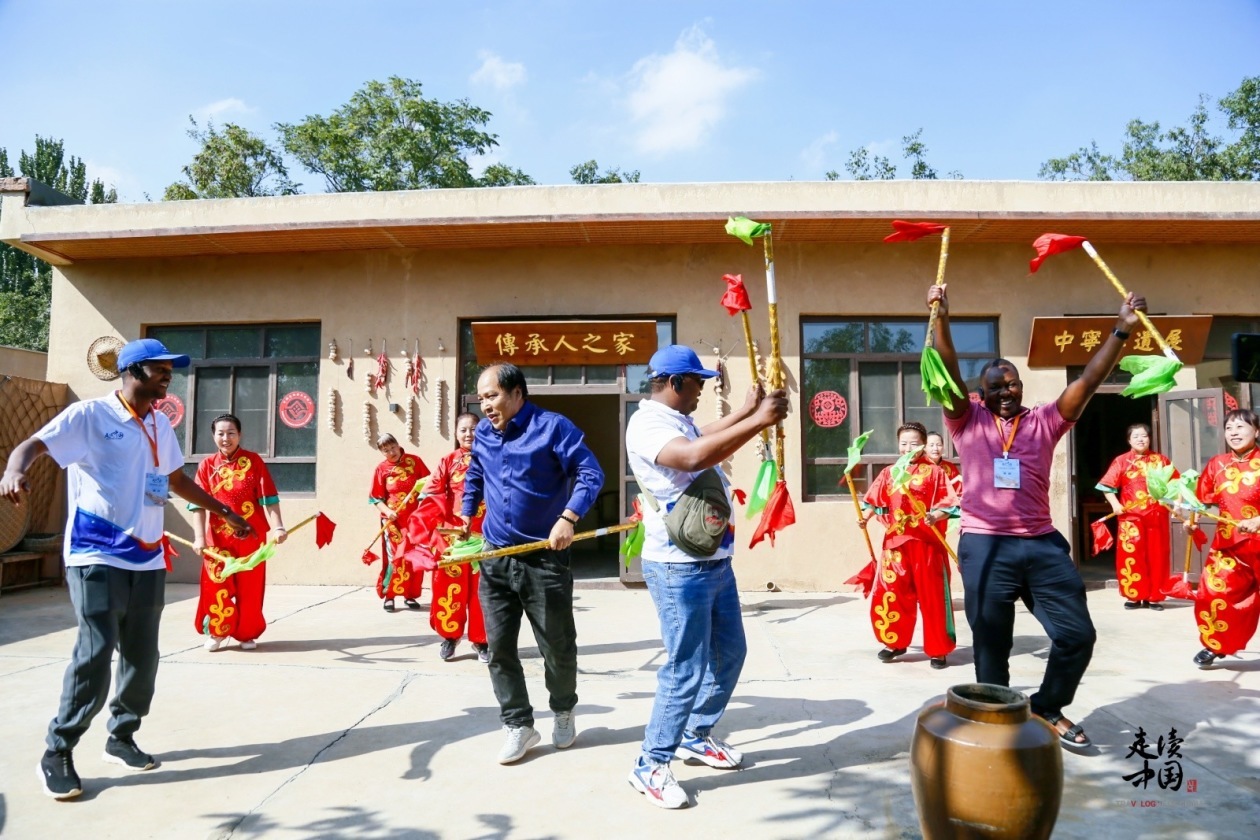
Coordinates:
528 474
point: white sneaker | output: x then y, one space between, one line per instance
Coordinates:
519 740
657 783
214 643
250 645
564 733
711 751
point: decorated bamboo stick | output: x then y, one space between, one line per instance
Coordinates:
1124 293
930 339
525 548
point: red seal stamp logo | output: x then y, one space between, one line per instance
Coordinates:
828 409
173 407
296 410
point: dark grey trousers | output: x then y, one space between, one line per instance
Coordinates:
538 586
117 609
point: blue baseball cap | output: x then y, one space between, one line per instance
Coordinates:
676 359
148 350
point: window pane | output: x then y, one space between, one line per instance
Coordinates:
296 379
251 403
897 336
566 374
212 400
828 480
833 336
190 342
536 374
601 374
636 375
974 336
233 343
178 390
825 375
1221 334
877 384
970 369
297 340
293 478
913 399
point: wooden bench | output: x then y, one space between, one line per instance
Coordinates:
27 565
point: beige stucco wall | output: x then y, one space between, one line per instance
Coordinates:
408 294
28 364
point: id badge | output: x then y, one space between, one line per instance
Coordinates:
156 489
1006 473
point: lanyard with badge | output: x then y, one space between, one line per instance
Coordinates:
1006 468
156 485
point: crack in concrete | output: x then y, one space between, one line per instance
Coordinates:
226 832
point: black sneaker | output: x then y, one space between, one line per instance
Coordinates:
412 603
889 654
1205 658
1133 605
1156 605
447 650
127 754
939 662
56 770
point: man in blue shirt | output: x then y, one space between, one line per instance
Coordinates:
538 478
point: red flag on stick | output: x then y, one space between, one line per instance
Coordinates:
1179 587
323 530
910 231
1049 244
369 557
864 579
735 299
777 515
1200 538
1102 537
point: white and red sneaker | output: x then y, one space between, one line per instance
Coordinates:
657 783
709 750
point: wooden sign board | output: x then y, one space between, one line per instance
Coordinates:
1071 341
564 342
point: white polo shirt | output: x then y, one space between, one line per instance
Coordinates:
107 459
650 429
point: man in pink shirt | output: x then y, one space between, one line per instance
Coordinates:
1009 548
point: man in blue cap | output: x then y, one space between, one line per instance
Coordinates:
123 459
695 596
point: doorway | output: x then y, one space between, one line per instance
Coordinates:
1099 436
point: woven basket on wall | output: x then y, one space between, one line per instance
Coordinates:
25 406
14 521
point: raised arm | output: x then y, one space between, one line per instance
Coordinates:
944 343
709 450
1076 395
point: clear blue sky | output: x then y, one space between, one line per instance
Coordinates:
683 91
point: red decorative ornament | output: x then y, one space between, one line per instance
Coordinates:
296 410
173 407
1231 404
1209 410
828 409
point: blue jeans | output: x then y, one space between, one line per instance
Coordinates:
703 634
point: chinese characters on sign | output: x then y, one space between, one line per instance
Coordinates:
564 342
1071 341
1161 762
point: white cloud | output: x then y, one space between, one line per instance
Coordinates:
677 99
496 73
110 176
217 110
814 156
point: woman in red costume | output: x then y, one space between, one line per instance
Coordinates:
392 485
913 572
1227 601
1142 546
239 479
935 451
455 603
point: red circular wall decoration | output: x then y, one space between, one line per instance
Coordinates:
296 409
828 409
1231 404
173 407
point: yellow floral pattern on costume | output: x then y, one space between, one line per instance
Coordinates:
227 476
887 617
1211 572
891 566
220 612
1211 625
449 604
1128 533
1127 578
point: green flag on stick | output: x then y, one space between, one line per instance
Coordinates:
244 564
901 472
937 383
1151 375
855 451
1157 479
763 486
745 229
1181 492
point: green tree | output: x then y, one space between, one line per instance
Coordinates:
1182 153
501 175
232 163
389 137
588 173
863 166
25 280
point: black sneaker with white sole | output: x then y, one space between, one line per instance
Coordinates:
56 771
127 754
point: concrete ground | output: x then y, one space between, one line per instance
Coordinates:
344 723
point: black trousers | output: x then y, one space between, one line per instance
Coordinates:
538 586
997 571
117 609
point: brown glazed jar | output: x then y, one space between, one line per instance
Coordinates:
982 766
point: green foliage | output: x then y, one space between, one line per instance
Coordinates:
588 173
863 166
25 280
232 163
389 137
501 175
1182 153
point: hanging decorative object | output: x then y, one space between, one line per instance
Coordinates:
415 371
332 410
411 419
350 361
382 368
367 421
369 380
332 350
439 404
409 370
